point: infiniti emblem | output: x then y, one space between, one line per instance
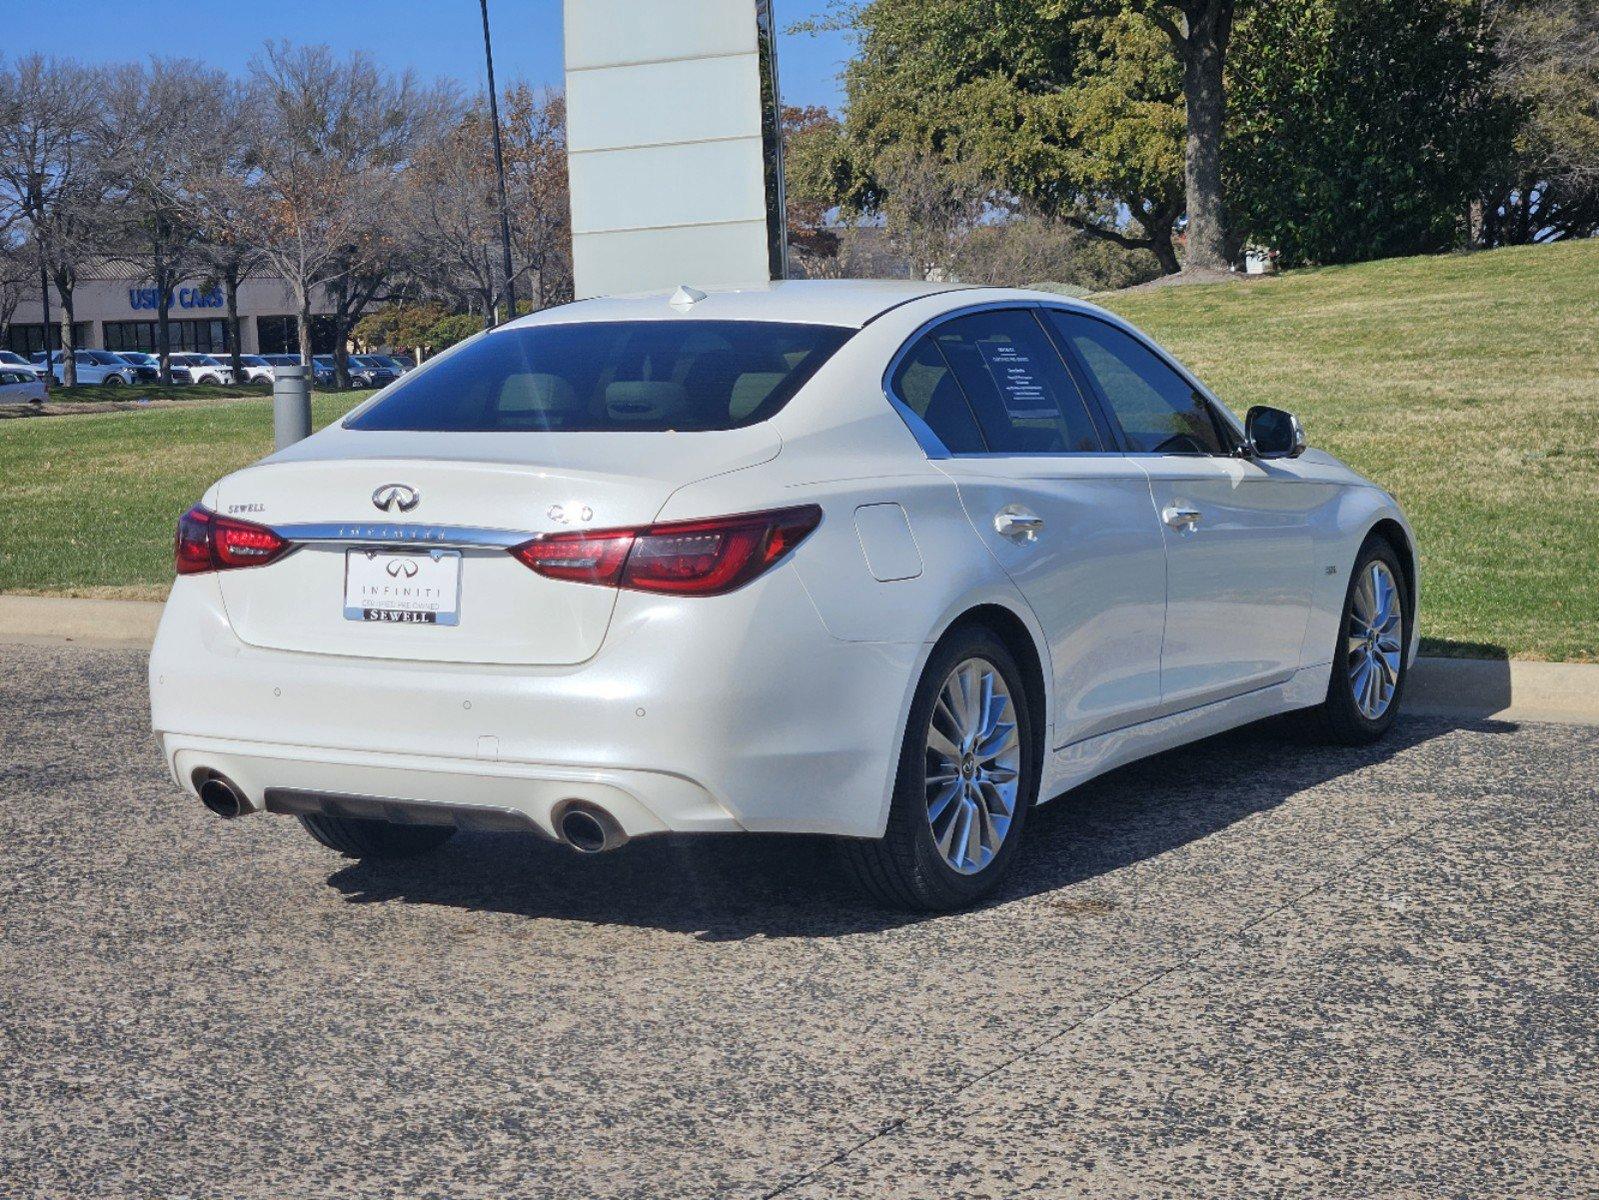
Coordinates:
401 565
396 495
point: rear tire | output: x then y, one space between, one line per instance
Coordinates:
376 839
906 867
1373 640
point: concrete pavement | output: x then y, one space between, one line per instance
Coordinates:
1252 967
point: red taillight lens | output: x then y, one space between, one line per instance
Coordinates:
580 557
207 542
699 558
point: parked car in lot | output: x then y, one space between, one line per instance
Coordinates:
398 363
20 385
9 359
372 371
148 367
93 367
363 374
204 368
888 562
256 368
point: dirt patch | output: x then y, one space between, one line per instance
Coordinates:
1198 275
71 408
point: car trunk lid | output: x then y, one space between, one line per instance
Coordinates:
475 495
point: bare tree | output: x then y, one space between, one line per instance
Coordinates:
449 218
17 276
156 129
218 196
929 208
326 142
541 208
49 178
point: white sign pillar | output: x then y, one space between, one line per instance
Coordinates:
671 144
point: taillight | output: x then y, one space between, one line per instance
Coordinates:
698 558
208 542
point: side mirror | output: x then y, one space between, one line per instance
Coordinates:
1273 433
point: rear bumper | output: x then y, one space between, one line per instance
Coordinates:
737 712
272 776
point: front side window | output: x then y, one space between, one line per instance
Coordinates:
609 376
1159 411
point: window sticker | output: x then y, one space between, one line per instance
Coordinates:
1017 379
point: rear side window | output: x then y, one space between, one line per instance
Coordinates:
926 385
1157 408
610 377
1018 388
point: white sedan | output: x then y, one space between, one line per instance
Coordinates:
21 385
889 562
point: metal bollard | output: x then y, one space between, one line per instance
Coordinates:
291 406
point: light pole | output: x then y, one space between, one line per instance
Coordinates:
499 168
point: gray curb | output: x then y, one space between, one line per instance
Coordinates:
1512 689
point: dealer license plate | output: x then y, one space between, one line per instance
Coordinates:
404 587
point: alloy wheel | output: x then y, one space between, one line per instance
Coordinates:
974 759
1373 650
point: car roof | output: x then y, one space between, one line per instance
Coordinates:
851 303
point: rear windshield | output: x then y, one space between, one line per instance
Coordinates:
610 376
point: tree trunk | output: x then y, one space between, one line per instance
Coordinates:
230 293
302 325
163 322
69 335
44 329
1208 24
1160 244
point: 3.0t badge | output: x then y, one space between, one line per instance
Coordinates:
392 496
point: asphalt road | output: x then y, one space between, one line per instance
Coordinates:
1251 968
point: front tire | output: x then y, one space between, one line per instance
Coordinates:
968 775
1370 658
112 381
376 839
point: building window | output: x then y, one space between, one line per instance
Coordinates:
29 339
204 337
279 335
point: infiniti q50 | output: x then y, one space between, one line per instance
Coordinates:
887 562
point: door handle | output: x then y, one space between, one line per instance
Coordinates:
1017 523
1179 518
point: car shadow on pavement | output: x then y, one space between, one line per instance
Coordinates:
741 886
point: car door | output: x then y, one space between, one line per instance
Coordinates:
1069 522
1239 532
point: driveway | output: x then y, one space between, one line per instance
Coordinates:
1253 967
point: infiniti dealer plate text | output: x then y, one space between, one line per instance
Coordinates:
405 587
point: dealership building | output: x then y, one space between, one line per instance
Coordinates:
116 309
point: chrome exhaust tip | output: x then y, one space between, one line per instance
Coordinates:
222 796
589 829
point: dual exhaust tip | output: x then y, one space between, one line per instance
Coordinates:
586 828
223 797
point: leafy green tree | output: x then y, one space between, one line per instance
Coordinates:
1359 127
1543 185
1073 110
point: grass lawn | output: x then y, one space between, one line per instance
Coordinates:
1467 385
88 503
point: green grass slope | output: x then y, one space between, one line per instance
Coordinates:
88 504
1468 386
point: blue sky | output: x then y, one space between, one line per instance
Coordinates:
436 37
